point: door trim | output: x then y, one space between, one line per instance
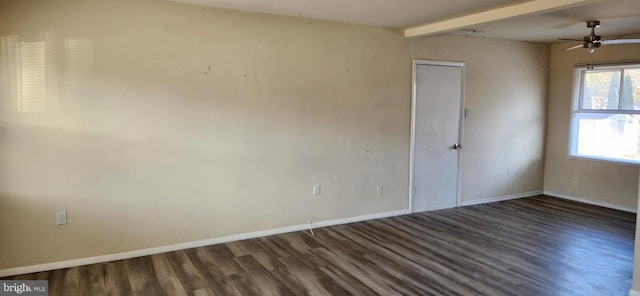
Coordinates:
462 66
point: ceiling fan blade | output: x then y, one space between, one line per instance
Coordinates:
620 41
573 47
569 39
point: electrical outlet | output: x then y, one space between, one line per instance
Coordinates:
380 191
61 217
316 190
508 171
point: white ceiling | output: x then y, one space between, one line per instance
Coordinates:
618 17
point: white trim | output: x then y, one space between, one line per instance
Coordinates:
193 244
463 79
577 109
634 293
463 68
500 198
412 143
593 202
605 160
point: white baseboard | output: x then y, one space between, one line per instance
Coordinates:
634 293
193 244
500 198
592 202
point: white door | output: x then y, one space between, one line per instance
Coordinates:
437 108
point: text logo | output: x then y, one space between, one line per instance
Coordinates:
24 288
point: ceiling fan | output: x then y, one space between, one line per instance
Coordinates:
593 41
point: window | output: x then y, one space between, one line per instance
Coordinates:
606 113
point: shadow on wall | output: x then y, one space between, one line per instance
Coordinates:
109 204
122 147
41 171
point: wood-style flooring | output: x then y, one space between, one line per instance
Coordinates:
531 246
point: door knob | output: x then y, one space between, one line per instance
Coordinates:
456 146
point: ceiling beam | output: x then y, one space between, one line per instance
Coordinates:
487 16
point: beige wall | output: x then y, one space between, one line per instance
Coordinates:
601 182
155 123
505 91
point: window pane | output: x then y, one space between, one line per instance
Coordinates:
601 89
630 98
608 135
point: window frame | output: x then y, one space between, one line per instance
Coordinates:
577 108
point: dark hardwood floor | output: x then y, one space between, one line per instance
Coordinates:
531 246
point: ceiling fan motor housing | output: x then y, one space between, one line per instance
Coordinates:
593 40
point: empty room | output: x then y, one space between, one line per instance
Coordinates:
299 147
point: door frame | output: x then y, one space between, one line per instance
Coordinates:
462 66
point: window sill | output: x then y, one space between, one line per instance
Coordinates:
606 160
